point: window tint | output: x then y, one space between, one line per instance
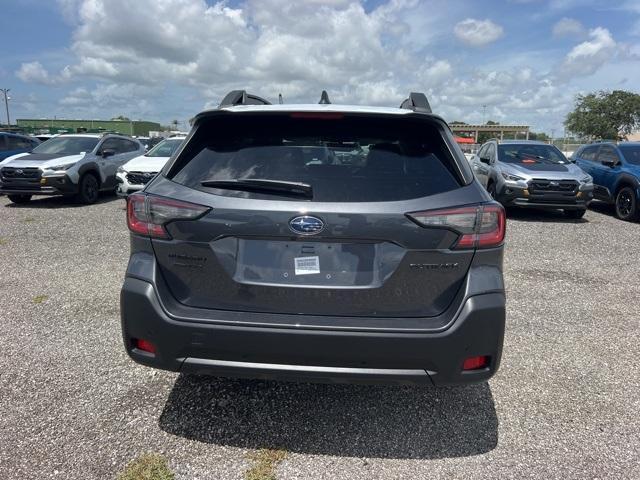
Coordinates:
344 159
129 146
18 143
165 148
589 153
67 145
608 153
530 153
3 143
631 153
109 144
491 152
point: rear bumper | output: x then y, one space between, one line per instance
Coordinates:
324 355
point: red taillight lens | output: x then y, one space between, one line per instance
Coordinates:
144 345
147 214
476 363
481 226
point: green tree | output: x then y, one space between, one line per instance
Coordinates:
605 115
121 118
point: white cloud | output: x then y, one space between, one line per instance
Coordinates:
568 27
588 56
478 33
34 72
167 58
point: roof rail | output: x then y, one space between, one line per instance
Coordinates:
241 97
417 102
324 98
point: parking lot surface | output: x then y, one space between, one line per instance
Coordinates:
564 404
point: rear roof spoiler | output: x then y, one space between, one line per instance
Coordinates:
241 97
417 102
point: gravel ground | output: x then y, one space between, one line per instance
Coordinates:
564 404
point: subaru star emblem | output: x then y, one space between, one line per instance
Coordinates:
306 225
554 184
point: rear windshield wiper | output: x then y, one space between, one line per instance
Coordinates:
260 185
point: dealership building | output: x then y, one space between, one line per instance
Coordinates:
128 127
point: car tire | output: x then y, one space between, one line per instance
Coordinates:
626 204
579 213
19 198
88 189
491 188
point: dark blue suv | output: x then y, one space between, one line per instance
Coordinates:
12 144
615 169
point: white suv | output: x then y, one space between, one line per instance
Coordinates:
136 173
73 165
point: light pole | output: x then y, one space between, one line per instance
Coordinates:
6 91
484 111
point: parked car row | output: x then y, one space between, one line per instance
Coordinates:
521 173
80 166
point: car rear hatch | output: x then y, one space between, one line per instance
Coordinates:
316 214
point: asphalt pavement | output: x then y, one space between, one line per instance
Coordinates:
565 403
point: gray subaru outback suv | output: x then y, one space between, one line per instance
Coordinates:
317 243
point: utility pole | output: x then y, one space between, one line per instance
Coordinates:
6 103
484 111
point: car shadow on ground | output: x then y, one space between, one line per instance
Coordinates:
535 215
604 208
337 420
57 202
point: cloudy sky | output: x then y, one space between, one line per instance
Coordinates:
523 60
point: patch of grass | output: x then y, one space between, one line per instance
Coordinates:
265 461
149 466
3 241
40 298
28 219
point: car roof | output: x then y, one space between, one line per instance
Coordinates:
523 142
96 135
239 101
12 134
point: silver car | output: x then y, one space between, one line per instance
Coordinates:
532 174
75 165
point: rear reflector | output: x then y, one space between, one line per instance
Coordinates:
476 363
480 226
148 215
144 345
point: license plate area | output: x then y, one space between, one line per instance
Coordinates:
314 264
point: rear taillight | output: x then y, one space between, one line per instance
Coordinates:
480 226
148 215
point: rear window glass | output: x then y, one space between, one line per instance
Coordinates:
342 159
